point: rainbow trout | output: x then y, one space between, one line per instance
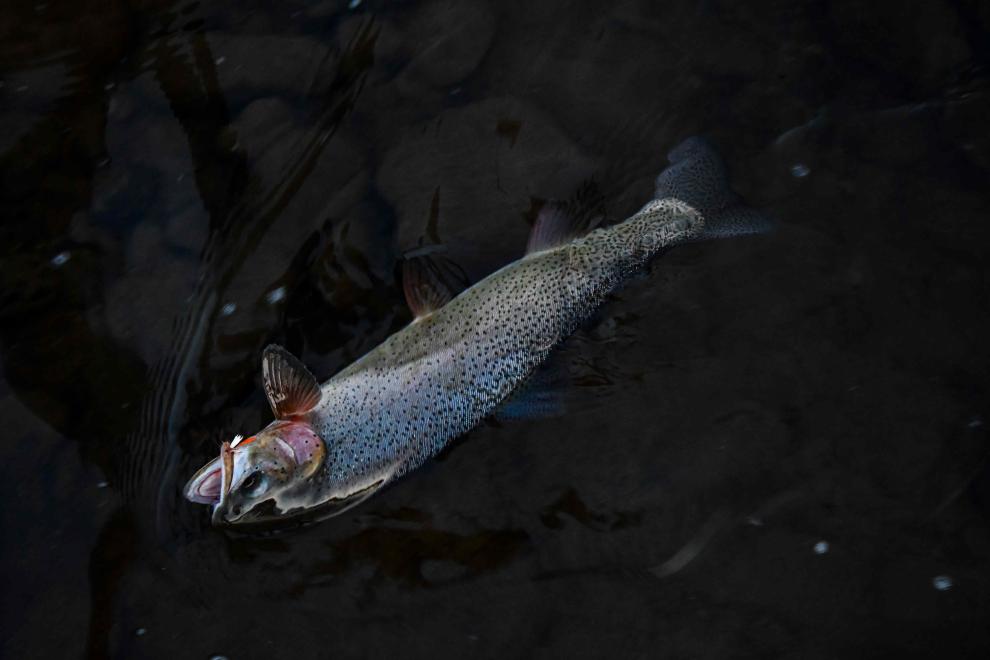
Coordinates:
333 445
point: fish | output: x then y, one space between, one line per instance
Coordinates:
333 445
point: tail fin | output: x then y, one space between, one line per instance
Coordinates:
698 176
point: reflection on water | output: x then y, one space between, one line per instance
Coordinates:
769 446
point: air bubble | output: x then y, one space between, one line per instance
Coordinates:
800 170
228 309
275 295
60 259
942 582
821 547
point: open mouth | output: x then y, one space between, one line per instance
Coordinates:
211 484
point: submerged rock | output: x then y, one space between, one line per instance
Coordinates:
445 41
252 66
473 175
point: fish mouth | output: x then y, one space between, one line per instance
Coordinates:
211 483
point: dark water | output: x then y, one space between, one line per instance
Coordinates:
775 447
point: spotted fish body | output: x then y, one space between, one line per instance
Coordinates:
450 368
437 378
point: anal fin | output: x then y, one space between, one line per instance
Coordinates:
541 396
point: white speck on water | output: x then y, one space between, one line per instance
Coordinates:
821 547
179 178
102 484
942 582
354 4
295 14
108 86
754 521
275 295
218 657
975 423
228 309
22 88
220 60
799 170
140 632
60 259
455 91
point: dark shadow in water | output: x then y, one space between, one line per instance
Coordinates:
570 504
112 393
240 213
227 252
115 548
416 557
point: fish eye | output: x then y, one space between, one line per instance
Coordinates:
253 484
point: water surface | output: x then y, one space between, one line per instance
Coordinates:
773 446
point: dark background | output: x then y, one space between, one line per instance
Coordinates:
185 183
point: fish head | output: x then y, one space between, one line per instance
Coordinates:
248 482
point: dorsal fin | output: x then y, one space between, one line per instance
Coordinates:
430 280
558 223
290 388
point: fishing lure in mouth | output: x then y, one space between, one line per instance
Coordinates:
333 445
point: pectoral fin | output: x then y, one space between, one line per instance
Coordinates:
290 388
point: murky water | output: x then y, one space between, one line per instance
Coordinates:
773 446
